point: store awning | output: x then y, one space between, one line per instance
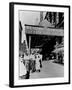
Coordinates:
58 50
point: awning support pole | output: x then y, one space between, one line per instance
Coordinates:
29 44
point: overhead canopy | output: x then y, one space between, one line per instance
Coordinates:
40 30
58 50
44 28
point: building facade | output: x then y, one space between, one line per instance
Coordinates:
55 18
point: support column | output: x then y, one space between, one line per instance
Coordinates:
52 18
57 17
29 44
49 16
41 16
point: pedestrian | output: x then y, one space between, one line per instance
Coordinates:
40 56
22 68
32 58
37 58
27 64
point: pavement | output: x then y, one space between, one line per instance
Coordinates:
49 69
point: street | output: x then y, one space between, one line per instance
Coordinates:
49 69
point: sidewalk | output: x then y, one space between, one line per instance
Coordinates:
48 70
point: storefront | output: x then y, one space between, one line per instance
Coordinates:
59 51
